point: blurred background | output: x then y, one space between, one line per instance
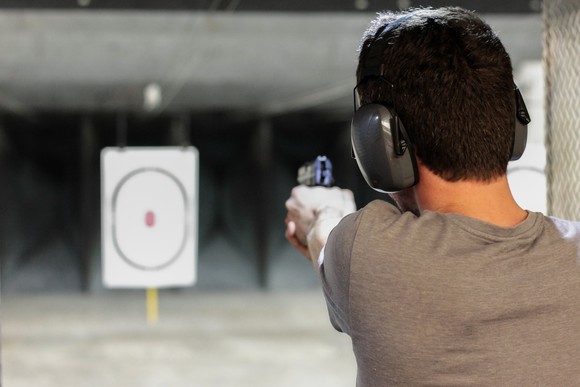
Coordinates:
259 88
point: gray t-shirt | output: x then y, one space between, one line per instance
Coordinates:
447 300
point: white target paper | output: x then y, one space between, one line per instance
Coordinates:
149 216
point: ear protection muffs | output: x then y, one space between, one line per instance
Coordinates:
521 127
380 147
380 143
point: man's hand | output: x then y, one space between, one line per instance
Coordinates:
312 214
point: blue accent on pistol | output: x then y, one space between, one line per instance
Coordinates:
316 173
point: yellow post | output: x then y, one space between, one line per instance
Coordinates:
152 306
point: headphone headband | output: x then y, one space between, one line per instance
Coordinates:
372 62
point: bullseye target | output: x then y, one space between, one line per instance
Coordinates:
160 238
149 216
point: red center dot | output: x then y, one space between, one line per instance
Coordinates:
150 218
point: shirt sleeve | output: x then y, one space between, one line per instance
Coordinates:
335 270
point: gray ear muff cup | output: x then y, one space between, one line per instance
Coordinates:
521 127
372 135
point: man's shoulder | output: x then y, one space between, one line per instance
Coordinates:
383 206
376 218
377 209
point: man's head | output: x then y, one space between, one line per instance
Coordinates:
452 87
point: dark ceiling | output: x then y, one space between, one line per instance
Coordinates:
487 6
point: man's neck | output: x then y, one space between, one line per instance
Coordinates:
491 202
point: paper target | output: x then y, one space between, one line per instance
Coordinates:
149 216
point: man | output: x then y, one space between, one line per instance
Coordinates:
459 285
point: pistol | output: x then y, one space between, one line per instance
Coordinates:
316 173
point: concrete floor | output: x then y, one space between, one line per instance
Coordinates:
233 339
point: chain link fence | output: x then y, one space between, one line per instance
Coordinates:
562 67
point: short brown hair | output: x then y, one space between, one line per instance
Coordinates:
453 89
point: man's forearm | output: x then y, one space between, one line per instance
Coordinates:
326 219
